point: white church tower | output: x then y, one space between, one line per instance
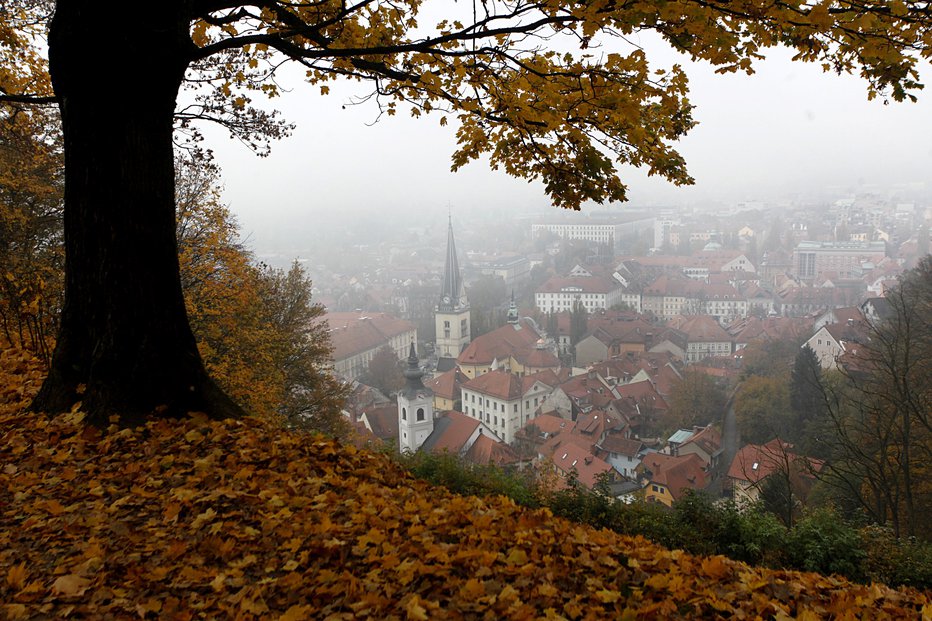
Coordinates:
415 407
452 316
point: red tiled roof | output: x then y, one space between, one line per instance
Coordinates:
750 329
517 340
455 435
563 439
352 333
546 377
383 420
617 443
549 423
755 462
700 329
854 332
708 439
486 450
643 392
677 474
498 383
571 457
447 385
585 284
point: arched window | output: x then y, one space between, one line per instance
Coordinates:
420 414
404 413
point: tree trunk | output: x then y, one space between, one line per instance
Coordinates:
125 346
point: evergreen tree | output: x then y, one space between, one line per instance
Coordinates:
806 401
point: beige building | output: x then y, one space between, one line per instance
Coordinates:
504 401
357 336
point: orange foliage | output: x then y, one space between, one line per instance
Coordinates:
237 519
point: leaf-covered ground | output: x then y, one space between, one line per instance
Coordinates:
192 519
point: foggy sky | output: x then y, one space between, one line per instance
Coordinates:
789 131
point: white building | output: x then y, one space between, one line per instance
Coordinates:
415 408
594 292
504 401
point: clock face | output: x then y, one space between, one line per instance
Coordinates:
446 299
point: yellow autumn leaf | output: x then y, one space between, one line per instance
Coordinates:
70 585
414 610
16 576
607 597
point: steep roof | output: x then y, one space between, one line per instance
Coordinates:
487 450
700 329
756 462
451 433
516 340
452 288
355 332
447 384
581 284
382 421
853 332
617 443
708 439
588 467
748 329
498 383
677 474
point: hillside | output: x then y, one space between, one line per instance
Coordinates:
198 519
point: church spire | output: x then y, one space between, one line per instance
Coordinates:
452 291
513 310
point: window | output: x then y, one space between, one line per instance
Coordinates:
472 398
516 408
404 413
527 405
496 421
420 414
495 406
654 488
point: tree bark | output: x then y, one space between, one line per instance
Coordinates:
125 346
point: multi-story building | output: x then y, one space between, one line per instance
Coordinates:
593 292
704 337
504 401
813 259
356 337
601 233
513 269
519 346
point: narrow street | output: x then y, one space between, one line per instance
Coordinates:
729 446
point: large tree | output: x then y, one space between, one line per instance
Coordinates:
568 119
880 412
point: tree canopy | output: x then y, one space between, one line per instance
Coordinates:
544 90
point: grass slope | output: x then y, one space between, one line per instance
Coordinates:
193 519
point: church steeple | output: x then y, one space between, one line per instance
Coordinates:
452 289
415 407
513 310
452 317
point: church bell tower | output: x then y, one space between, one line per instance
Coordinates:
451 318
415 407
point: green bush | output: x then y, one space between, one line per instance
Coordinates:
905 561
821 541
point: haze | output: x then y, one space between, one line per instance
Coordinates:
790 132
